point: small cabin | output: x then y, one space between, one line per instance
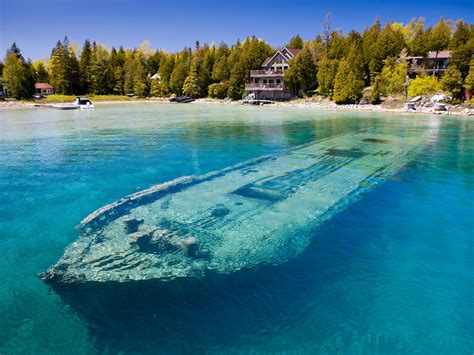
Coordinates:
44 88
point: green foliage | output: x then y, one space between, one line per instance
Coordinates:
441 36
375 97
347 86
85 63
100 75
18 75
462 46
393 78
469 81
452 81
251 54
13 74
424 85
389 43
218 90
42 75
194 72
180 72
296 42
301 74
326 75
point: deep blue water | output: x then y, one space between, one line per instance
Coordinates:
391 274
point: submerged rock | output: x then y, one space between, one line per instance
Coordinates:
262 211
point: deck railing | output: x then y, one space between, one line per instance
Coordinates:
261 86
265 72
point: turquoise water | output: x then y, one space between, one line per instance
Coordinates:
391 273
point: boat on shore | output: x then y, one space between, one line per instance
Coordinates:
262 211
181 99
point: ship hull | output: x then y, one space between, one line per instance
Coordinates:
263 211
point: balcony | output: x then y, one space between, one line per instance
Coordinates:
266 73
263 87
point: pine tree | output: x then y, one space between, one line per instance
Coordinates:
85 63
452 81
462 47
18 75
192 84
59 68
139 81
42 75
99 70
469 81
347 87
369 42
296 42
221 69
326 75
180 72
73 71
13 75
301 74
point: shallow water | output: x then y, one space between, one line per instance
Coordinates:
392 273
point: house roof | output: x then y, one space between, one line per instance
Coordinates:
441 54
292 51
43 86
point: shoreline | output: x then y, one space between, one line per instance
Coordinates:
322 104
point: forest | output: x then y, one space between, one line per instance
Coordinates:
342 67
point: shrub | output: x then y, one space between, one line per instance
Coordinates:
424 85
393 78
218 90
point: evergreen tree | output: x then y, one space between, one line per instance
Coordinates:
326 75
389 43
369 43
462 47
296 42
99 70
192 84
42 75
393 77
73 72
347 87
301 74
140 85
441 36
376 94
452 81
221 69
166 69
85 64
180 72
13 76
469 81
18 75
59 64
251 55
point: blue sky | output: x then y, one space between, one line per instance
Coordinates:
37 25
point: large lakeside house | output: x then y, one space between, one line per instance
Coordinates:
268 83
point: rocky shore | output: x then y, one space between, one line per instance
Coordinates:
423 106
